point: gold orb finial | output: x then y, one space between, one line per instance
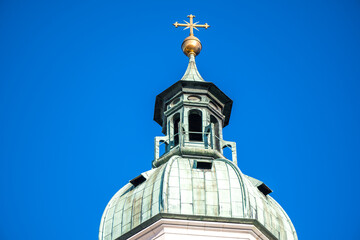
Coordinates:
191 44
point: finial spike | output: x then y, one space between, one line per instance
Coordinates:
192 74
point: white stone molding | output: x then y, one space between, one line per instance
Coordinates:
174 229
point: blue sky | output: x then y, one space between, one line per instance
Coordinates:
78 81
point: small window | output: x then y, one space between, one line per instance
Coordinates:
175 101
138 180
203 165
264 189
194 98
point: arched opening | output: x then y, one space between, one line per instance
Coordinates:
216 132
195 125
176 122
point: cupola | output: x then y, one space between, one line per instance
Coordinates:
192 112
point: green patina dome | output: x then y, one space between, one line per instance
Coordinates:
179 188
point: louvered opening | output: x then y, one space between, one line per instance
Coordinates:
264 189
138 180
203 165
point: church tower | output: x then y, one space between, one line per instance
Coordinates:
192 190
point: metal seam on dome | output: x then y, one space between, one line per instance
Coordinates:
206 209
152 190
192 185
256 204
161 204
217 185
179 185
102 223
178 174
147 183
285 214
112 219
123 211
158 178
165 191
141 205
131 213
107 211
240 177
264 203
152 195
168 164
227 169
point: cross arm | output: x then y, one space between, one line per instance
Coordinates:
202 25
176 24
181 24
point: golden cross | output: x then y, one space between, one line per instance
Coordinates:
191 25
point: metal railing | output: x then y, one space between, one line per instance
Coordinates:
183 137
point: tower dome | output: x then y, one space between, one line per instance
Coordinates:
196 189
192 190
